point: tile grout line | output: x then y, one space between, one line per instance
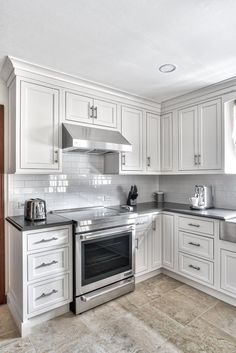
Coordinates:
219 328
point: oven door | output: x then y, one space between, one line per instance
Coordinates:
103 257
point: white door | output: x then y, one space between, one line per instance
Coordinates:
105 113
141 255
210 135
39 124
168 241
78 108
188 148
166 142
227 273
132 129
155 243
153 142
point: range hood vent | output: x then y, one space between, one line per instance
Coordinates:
77 138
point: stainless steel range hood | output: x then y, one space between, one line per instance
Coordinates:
77 138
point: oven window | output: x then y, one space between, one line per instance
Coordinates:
105 257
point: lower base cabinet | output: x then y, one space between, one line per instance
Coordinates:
227 275
148 244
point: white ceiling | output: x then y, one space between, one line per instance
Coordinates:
121 43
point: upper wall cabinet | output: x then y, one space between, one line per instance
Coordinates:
34 124
153 143
166 136
132 129
200 137
83 109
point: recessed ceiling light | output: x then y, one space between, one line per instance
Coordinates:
167 68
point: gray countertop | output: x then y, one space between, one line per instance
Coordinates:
52 220
216 213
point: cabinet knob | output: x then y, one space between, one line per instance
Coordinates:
149 161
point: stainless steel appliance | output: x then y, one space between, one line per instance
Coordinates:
202 198
228 230
103 255
35 210
76 138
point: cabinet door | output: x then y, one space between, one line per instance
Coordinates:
155 243
188 139
153 142
168 241
141 255
227 273
210 135
166 142
78 108
39 124
105 113
132 129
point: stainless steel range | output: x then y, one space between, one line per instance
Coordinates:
103 255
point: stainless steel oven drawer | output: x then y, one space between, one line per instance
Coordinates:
103 295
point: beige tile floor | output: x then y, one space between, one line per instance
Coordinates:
161 316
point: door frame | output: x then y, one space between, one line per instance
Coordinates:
2 240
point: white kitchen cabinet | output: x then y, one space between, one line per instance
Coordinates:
148 244
227 271
188 146
210 135
35 118
166 137
83 109
132 129
200 137
168 241
153 142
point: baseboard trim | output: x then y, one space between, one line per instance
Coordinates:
141 278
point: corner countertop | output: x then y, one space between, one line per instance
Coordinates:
52 220
215 213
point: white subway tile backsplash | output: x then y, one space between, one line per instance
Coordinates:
82 184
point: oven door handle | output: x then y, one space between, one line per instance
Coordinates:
105 233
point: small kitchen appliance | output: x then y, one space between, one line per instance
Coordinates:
35 210
132 197
202 198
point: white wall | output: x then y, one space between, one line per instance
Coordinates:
81 184
178 188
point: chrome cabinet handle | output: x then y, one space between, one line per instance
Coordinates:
195 267
199 159
123 159
195 159
45 264
149 161
136 245
153 225
195 244
56 158
194 225
95 113
44 295
45 240
91 111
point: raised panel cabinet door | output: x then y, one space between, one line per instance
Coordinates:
78 108
105 113
39 124
188 148
210 135
227 272
132 129
141 254
168 241
155 243
153 142
166 127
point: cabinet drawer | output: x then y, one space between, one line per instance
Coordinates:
196 245
43 295
46 239
47 263
201 270
197 225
